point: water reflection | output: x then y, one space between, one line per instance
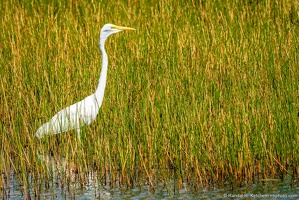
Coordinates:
93 188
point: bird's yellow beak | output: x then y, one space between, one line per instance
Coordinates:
123 28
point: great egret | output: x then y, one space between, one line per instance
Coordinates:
85 111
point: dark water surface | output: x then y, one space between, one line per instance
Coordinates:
91 189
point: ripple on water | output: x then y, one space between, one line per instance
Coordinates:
94 190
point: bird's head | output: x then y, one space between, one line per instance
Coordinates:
109 29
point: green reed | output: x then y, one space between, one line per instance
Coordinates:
203 91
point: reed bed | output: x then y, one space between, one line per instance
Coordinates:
204 91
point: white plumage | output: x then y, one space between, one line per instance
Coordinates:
85 111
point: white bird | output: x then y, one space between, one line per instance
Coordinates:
85 111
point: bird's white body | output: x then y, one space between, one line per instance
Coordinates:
85 111
72 117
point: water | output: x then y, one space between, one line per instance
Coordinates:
92 189
89 186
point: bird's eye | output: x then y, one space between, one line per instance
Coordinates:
113 28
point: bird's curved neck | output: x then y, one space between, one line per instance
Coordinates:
99 94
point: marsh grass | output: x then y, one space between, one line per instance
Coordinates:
206 92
